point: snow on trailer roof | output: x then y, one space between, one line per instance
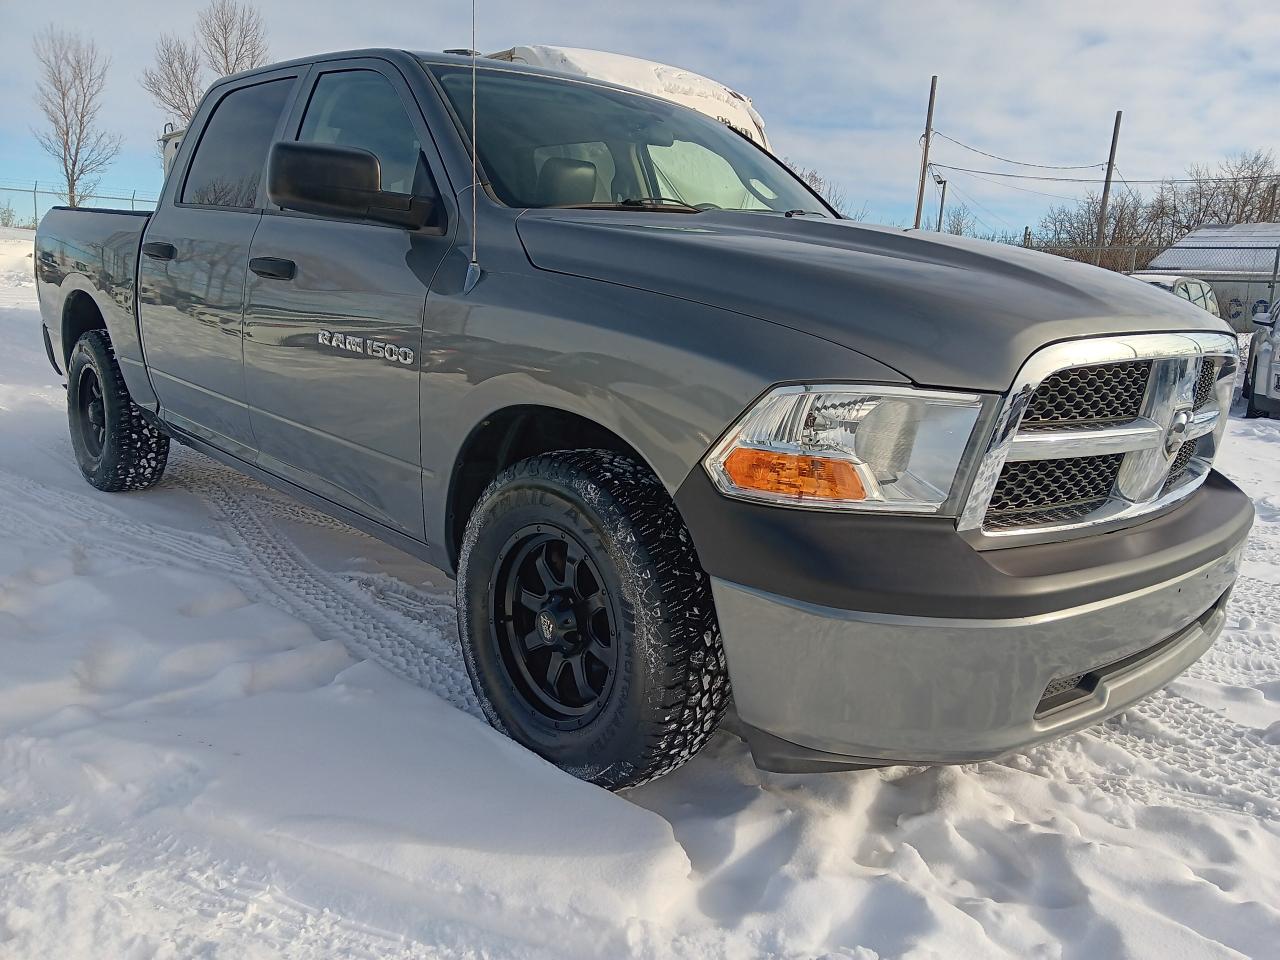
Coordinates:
689 89
1241 250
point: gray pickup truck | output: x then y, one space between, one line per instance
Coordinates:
683 434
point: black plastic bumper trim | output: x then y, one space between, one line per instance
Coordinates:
920 566
782 756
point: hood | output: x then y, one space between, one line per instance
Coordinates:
944 311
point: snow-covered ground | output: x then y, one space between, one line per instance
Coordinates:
233 728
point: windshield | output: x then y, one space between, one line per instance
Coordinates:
547 142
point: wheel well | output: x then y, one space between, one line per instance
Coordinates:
79 315
508 436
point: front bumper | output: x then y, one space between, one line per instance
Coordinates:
932 673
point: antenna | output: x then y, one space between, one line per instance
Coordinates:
473 268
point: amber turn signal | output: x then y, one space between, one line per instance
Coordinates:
794 475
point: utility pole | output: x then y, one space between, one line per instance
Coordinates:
1026 236
943 201
1106 191
924 160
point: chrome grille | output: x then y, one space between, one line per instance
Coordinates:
1069 485
1104 393
1178 469
1204 383
1096 432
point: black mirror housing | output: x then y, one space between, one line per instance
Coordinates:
331 180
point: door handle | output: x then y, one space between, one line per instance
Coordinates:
276 268
157 250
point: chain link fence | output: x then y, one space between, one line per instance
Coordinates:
1243 277
24 202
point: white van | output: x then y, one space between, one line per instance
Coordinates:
1188 288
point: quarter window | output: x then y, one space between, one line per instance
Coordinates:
233 149
360 108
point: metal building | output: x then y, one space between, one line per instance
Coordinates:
1240 262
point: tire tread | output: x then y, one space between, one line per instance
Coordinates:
673 596
134 453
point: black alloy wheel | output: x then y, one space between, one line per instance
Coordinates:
552 622
92 413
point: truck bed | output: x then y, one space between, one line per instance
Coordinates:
90 253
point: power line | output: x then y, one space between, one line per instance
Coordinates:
981 207
1028 176
1133 193
1011 186
1020 163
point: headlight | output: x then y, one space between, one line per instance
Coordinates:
840 447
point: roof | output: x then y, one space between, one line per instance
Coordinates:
1163 279
1237 250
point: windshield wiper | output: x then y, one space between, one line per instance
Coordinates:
635 203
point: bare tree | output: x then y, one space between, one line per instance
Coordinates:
826 188
232 37
175 81
960 220
1243 188
229 37
69 94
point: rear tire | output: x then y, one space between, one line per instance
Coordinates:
116 449
587 622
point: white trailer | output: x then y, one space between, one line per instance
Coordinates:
689 89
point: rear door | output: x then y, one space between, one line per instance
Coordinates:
194 258
332 352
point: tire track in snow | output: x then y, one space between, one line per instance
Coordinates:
422 649
184 901
410 633
103 528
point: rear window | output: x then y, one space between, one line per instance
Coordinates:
233 149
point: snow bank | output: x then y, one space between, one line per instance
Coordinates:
231 727
16 265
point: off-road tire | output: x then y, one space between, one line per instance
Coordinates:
671 685
124 451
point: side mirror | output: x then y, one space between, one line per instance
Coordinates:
1264 320
339 181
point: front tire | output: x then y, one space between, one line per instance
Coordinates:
115 448
587 622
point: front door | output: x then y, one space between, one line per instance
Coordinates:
334 312
192 271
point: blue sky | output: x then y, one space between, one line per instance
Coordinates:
842 85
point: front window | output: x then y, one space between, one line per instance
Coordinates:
548 142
